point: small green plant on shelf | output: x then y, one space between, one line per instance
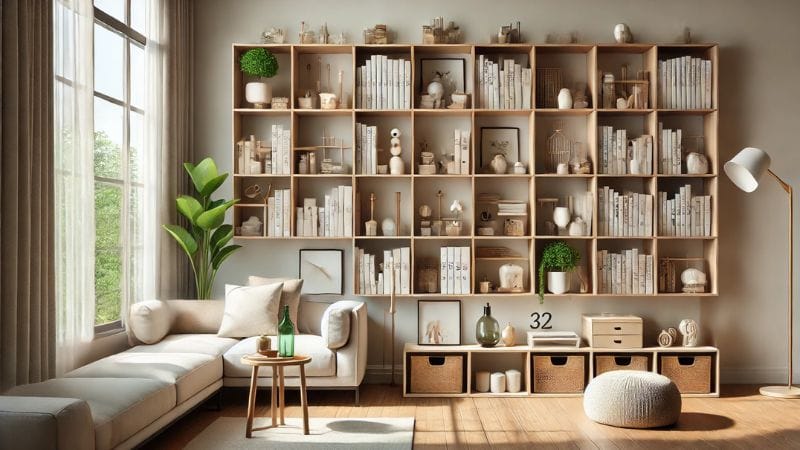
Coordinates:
259 62
557 256
205 241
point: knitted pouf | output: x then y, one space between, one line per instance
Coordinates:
632 399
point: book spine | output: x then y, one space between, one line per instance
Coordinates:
451 275
407 75
405 270
465 154
466 270
348 210
443 270
456 251
648 274
457 150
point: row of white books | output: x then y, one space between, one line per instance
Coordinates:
669 151
374 278
617 152
454 270
279 210
628 214
684 83
512 208
629 272
503 85
460 153
334 219
383 83
684 214
366 149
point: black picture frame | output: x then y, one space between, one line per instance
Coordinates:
487 152
454 337
428 69
308 287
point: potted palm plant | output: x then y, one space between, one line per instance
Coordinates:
557 260
206 240
262 64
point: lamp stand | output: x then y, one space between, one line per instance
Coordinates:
788 391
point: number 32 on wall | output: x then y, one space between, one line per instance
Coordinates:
541 321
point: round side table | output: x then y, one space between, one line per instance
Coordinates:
277 364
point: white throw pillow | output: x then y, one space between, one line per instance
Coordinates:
250 310
290 295
150 320
336 326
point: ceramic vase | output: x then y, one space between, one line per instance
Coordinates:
508 336
561 216
487 330
513 380
498 383
557 282
258 93
388 227
564 99
510 276
696 164
499 164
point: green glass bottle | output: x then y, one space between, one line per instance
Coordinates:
286 335
487 330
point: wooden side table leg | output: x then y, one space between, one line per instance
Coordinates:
273 402
304 397
251 403
282 393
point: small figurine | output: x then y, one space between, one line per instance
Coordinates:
425 220
274 36
377 35
371 226
499 164
665 339
622 34
396 166
688 328
435 90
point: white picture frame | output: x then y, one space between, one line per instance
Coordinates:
322 271
439 322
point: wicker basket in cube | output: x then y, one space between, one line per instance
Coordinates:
607 363
440 374
559 374
691 373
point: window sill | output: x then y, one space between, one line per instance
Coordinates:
108 329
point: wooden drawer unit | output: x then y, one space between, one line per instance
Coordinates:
607 363
613 331
437 373
558 374
691 373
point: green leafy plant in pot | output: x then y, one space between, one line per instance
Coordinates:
206 240
260 63
557 259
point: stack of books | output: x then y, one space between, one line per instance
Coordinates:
455 270
617 151
512 208
503 85
279 207
383 83
670 151
366 149
334 219
460 164
684 83
375 278
628 214
629 272
684 214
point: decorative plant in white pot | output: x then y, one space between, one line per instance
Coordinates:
206 240
557 260
260 63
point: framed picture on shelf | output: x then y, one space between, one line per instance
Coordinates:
322 271
451 71
499 140
439 322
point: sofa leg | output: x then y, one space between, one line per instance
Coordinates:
357 392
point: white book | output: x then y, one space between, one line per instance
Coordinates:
405 270
457 150
466 270
407 74
390 74
357 270
633 273
517 86
642 215
335 208
451 280
348 210
285 149
279 212
370 82
496 86
642 271
401 85
501 89
443 270
526 88
315 220
364 149
385 81
381 282
271 216
396 83
379 82
397 259
321 212
340 212
674 82
648 154
648 215
488 101
373 156
465 152
456 269
373 289
698 88
298 221
363 273
709 84
308 205
601 203
480 99
387 282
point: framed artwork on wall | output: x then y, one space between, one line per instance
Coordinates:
452 72
322 271
439 322
499 140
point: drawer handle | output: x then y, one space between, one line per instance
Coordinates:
618 341
558 360
617 328
623 360
686 360
436 360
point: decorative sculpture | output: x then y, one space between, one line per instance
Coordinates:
688 328
396 166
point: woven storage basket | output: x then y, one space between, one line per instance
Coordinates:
559 374
691 373
607 363
440 374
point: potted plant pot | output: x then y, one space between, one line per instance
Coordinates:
258 93
260 64
557 282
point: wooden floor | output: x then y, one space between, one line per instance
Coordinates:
740 419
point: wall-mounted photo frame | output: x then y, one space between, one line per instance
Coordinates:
439 322
499 140
452 71
322 271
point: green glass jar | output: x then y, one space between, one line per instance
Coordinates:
286 335
487 330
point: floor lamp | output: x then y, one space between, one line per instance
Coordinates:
745 170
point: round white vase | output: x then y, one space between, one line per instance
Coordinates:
564 99
258 93
557 282
561 216
498 383
510 276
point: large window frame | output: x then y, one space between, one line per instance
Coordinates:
124 182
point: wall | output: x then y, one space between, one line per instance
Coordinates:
759 69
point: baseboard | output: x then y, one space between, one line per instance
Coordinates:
382 374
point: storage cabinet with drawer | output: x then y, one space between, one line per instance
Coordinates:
613 331
437 373
559 374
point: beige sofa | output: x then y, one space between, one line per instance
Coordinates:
122 400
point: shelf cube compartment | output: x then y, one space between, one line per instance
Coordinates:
625 266
437 373
633 67
676 256
492 254
443 221
376 142
509 134
500 362
435 132
552 193
281 83
503 209
568 66
371 276
318 216
561 137
626 143
693 373
385 190
698 135
329 137
500 58
317 69
579 280
559 373
454 64
439 256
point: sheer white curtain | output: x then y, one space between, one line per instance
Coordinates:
74 178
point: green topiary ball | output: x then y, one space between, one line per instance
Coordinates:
259 62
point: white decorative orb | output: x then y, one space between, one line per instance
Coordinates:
693 276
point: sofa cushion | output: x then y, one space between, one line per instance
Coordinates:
45 423
150 320
290 295
335 326
250 310
206 344
323 360
120 407
190 372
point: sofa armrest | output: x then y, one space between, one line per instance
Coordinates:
351 359
45 423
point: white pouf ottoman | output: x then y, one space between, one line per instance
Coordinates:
632 399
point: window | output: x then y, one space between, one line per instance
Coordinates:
118 141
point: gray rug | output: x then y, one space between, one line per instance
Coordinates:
343 433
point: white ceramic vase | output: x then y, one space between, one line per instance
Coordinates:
508 336
510 276
557 282
561 216
564 99
513 380
498 383
258 93
696 164
499 164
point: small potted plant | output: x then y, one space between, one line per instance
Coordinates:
260 63
557 260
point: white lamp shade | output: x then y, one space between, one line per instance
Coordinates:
747 167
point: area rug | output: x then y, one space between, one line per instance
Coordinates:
338 433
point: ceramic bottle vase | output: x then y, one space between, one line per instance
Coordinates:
487 330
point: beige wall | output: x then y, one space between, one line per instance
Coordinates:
759 94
